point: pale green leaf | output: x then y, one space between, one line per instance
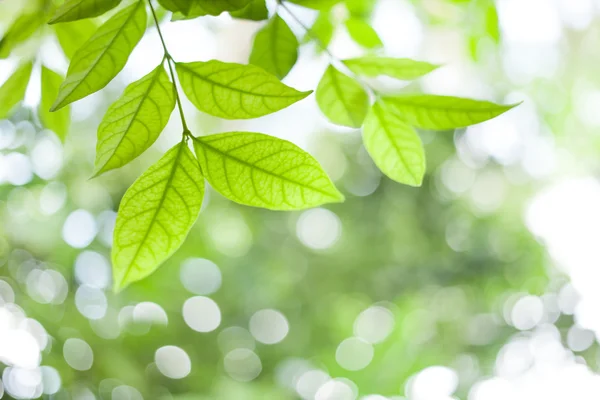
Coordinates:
275 48
58 121
73 10
22 29
135 121
73 35
321 31
262 171
343 100
200 8
399 68
104 55
363 34
13 89
255 11
394 145
433 112
155 215
316 4
235 91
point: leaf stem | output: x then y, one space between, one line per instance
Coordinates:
169 60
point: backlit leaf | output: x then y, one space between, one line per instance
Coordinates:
394 145
200 8
321 31
104 55
73 35
58 121
316 4
235 91
13 89
255 11
399 68
343 100
155 215
73 10
21 30
135 121
275 48
443 112
362 33
182 6
262 171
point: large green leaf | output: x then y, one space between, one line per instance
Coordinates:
21 30
343 100
58 121
182 6
399 68
13 89
72 36
363 34
104 55
394 145
155 215
275 48
255 11
73 10
263 171
134 121
235 91
443 112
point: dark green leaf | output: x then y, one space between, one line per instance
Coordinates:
255 11
73 10
275 48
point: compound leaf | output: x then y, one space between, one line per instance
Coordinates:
235 91
394 145
262 171
399 68
275 48
104 55
59 121
433 112
73 10
155 215
135 121
342 99
13 89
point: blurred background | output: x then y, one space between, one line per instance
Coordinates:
481 285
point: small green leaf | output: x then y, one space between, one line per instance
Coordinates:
73 10
155 215
73 35
363 34
322 31
255 11
361 9
135 121
262 171
235 91
399 68
104 55
433 112
342 99
394 145
22 29
316 4
275 48
59 121
13 89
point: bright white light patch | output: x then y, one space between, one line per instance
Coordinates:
173 362
269 326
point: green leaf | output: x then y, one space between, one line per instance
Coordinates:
262 171
182 6
322 30
363 34
104 55
433 112
316 4
155 215
22 29
342 99
394 145
59 121
73 35
361 9
399 68
73 10
235 91
255 11
275 48
13 89
200 8
134 122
